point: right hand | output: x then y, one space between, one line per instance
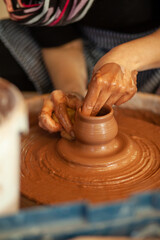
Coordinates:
109 85
58 103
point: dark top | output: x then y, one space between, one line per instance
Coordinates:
125 16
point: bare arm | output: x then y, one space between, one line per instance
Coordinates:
114 75
140 54
66 66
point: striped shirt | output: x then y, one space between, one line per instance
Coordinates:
47 12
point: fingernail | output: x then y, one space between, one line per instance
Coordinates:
72 134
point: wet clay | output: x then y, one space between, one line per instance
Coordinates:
123 161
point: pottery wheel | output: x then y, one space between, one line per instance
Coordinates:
49 175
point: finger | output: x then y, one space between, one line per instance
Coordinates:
74 101
62 115
113 99
60 102
103 96
48 106
45 119
92 95
124 99
47 123
58 97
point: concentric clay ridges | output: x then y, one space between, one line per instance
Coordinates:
47 177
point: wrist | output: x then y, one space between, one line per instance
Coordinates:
125 56
120 55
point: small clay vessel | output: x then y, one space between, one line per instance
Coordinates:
95 130
95 139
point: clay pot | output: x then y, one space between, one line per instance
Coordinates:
95 130
95 139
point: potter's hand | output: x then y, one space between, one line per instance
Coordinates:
110 84
114 78
54 116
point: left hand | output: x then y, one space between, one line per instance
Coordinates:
57 104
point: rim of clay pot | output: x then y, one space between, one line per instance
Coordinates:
97 118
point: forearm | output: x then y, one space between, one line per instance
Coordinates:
66 67
140 54
145 52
